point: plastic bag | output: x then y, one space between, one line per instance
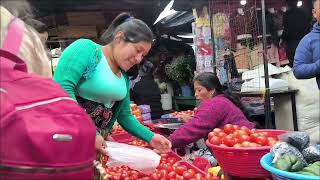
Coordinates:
282 148
137 158
299 140
312 153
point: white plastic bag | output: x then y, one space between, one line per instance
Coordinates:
137 158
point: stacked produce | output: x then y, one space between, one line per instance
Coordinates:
189 112
135 111
296 154
146 113
170 167
240 137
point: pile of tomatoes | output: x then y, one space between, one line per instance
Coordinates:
170 168
138 142
189 112
240 137
117 131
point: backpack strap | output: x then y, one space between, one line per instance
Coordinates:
11 46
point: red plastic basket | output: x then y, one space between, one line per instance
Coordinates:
243 162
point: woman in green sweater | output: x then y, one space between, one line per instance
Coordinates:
94 75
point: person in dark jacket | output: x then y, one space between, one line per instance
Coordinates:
146 91
295 26
307 58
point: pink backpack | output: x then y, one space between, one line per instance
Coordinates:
44 134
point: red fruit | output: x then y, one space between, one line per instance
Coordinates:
171 175
236 127
228 128
187 175
245 144
253 137
198 176
262 140
221 134
154 176
244 138
229 140
217 130
211 134
237 145
244 128
180 169
215 140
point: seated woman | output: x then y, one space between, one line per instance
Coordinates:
217 108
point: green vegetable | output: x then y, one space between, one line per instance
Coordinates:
317 163
282 164
306 173
313 170
297 166
289 162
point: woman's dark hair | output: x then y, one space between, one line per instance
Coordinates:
134 30
211 82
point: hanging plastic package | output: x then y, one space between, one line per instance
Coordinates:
137 158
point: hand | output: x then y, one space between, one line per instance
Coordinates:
160 144
184 117
101 145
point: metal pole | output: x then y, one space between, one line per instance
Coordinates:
267 104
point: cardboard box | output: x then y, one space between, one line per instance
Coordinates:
241 58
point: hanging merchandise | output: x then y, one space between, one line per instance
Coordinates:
203 43
222 41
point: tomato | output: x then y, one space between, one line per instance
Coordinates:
262 140
229 140
223 145
253 137
134 177
237 145
180 169
244 138
164 155
192 171
215 140
236 127
217 130
198 176
228 128
163 173
253 131
271 143
271 139
244 128
187 175
171 160
245 144
154 176
237 140
242 132
252 144
221 134
211 134
171 175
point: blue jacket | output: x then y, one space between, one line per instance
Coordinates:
307 58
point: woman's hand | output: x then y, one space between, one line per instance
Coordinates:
184 117
160 143
101 145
